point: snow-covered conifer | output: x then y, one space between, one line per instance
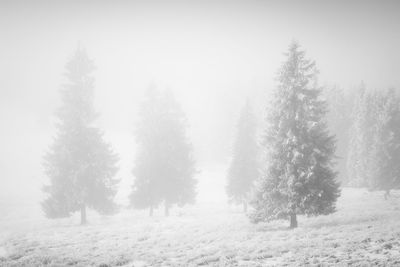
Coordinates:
164 166
80 164
299 176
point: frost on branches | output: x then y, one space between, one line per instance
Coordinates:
299 176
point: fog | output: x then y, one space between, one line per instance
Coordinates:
211 54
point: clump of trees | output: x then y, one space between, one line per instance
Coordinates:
164 165
375 141
243 169
80 165
299 177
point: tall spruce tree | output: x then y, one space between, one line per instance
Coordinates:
299 178
80 165
164 168
243 170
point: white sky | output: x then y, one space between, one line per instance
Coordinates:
212 54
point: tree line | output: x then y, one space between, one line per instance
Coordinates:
374 151
290 169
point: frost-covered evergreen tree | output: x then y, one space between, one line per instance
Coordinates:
164 168
243 170
384 155
80 165
299 177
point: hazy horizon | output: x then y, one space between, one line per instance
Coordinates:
212 55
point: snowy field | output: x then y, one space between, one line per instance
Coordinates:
365 231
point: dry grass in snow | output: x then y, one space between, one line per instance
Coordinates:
364 231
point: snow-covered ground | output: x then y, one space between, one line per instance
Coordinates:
364 231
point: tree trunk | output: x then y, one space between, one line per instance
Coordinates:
83 214
387 194
244 206
151 211
293 220
166 211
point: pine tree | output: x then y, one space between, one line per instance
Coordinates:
299 178
146 191
384 170
164 168
80 165
243 170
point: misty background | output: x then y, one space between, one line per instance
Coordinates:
212 55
